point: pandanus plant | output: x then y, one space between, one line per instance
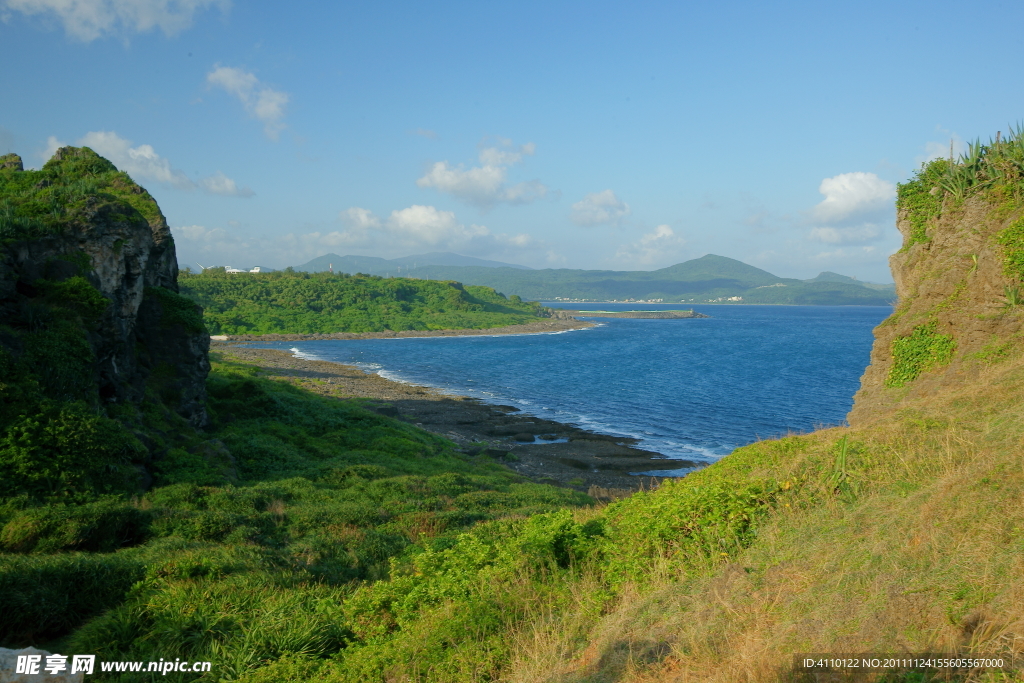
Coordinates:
1000 162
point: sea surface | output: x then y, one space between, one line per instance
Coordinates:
689 389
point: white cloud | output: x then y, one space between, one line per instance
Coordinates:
218 183
418 227
52 145
260 101
856 209
87 20
409 230
599 208
662 244
850 196
426 133
142 163
485 185
360 219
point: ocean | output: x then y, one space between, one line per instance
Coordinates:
691 389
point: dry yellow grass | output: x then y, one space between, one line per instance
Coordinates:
924 553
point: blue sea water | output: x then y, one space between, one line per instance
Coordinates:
692 389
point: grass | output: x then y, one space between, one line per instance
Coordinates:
926 556
428 565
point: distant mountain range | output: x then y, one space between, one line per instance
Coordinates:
371 265
709 279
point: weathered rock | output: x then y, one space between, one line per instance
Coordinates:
147 336
11 161
955 280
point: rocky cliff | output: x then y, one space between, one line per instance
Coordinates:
958 279
89 304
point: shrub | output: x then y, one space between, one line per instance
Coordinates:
48 596
59 449
917 352
102 526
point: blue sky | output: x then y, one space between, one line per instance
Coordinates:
550 134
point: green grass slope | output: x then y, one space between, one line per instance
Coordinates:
253 535
310 303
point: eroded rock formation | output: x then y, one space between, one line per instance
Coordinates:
79 223
957 312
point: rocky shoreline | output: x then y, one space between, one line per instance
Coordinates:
547 325
542 450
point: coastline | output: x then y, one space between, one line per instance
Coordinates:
539 327
542 450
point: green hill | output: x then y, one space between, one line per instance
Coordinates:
323 303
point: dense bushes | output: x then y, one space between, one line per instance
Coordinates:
100 526
48 595
64 449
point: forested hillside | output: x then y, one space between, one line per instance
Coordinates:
312 303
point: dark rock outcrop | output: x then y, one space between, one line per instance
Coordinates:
105 229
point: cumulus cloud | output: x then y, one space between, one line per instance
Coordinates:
142 163
415 227
485 186
656 246
855 209
52 145
88 20
404 231
218 183
851 196
260 101
599 208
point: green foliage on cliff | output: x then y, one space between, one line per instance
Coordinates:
177 310
311 303
921 350
1011 239
76 180
921 199
994 170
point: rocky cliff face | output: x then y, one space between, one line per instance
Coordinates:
958 279
77 227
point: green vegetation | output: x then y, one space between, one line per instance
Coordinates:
37 203
921 350
312 303
1011 239
287 501
994 171
921 199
